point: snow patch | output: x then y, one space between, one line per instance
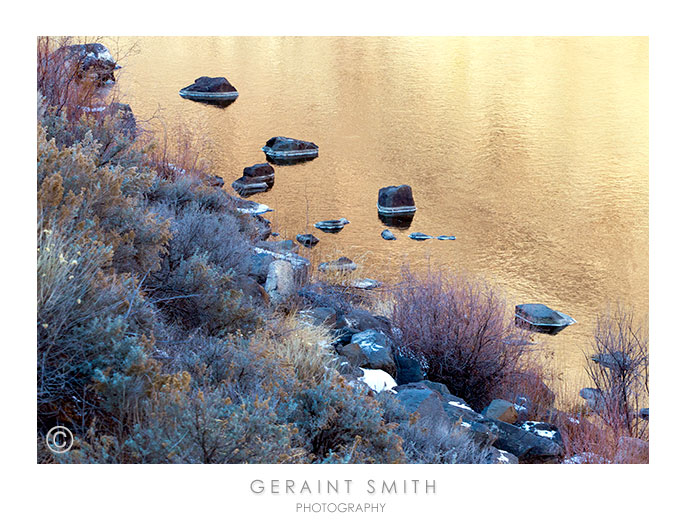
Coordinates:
377 380
460 405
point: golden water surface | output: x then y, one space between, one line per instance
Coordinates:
533 152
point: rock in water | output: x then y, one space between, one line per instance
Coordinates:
205 89
256 179
418 236
396 200
332 226
308 239
388 235
343 264
446 238
540 318
281 148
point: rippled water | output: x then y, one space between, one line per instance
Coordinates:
532 151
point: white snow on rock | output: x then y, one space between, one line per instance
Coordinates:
458 404
377 379
530 426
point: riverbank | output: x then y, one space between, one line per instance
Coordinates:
173 327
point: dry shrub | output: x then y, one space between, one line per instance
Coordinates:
618 365
463 332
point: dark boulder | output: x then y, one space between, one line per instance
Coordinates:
280 149
210 85
256 179
377 348
343 336
396 200
354 355
307 239
409 370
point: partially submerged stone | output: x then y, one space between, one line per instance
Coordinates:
343 264
307 239
282 148
419 236
210 90
540 318
388 235
256 179
332 226
396 201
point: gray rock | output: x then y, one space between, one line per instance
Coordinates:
540 318
280 283
93 61
396 200
593 398
343 264
502 457
353 354
388 235
377 348
419 236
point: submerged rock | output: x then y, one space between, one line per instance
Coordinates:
388 235
307 239
446 238
616 361
343 264
332 226
396 200
418 236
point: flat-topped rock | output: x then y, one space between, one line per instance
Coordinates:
283 148
256 179
332 226
210 89
540 318
396 200
419 236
